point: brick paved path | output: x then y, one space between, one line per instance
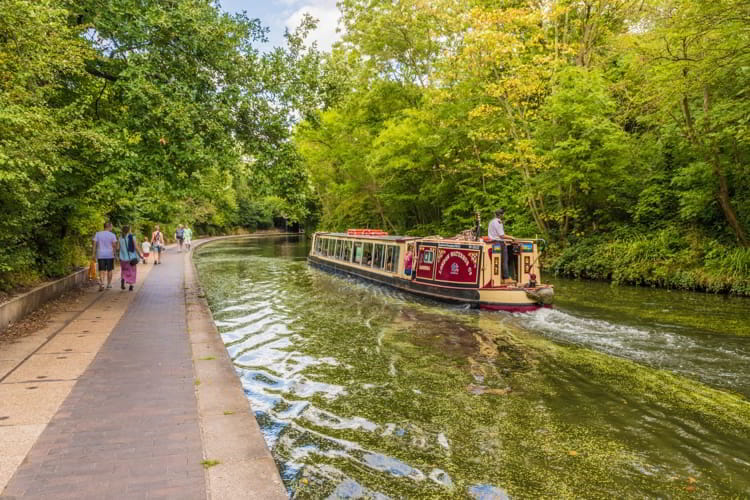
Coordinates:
129 428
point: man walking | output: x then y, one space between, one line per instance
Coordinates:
103 251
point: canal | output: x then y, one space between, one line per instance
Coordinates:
364 392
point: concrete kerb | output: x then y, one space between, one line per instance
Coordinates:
239 464
18 307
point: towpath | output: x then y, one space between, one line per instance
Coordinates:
133 396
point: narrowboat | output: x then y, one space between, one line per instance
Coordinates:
454 270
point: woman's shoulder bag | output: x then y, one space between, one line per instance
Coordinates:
134 254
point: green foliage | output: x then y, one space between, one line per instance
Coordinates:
141 113
591 174
665 258
616 130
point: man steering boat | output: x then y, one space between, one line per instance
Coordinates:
496 232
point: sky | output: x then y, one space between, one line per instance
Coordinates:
280 14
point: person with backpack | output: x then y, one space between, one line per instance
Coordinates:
157 244
179 234
130 254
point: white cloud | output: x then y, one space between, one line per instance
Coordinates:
327 15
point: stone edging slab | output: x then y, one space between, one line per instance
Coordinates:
18 307
238 463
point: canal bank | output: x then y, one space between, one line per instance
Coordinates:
121 398
239 464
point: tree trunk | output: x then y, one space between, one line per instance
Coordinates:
722 195
726 204
710 153
535 212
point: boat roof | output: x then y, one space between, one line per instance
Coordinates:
373 237
396 238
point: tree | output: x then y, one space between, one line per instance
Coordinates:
696 77
140 113
591 175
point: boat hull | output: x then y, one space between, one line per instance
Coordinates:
507 299
512 307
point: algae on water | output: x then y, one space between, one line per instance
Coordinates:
361 391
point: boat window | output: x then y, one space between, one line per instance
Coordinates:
378 256
337 253
331 244
393 254
428 256
322 246
343 250
367 255
358 252
318 239
346 254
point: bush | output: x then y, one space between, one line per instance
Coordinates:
665 258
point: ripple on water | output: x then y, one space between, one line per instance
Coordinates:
487 492
351 489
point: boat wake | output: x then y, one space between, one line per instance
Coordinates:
710 358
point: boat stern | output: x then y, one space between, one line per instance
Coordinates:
516 298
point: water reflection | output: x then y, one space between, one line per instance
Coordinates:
362 392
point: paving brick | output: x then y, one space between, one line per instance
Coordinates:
130 427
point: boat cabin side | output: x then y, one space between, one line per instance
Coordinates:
378 254
476 264
523 263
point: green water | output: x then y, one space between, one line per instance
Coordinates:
363 392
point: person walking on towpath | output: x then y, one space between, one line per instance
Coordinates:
130 254
179 235
103 251
145 250
157 244
188 237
